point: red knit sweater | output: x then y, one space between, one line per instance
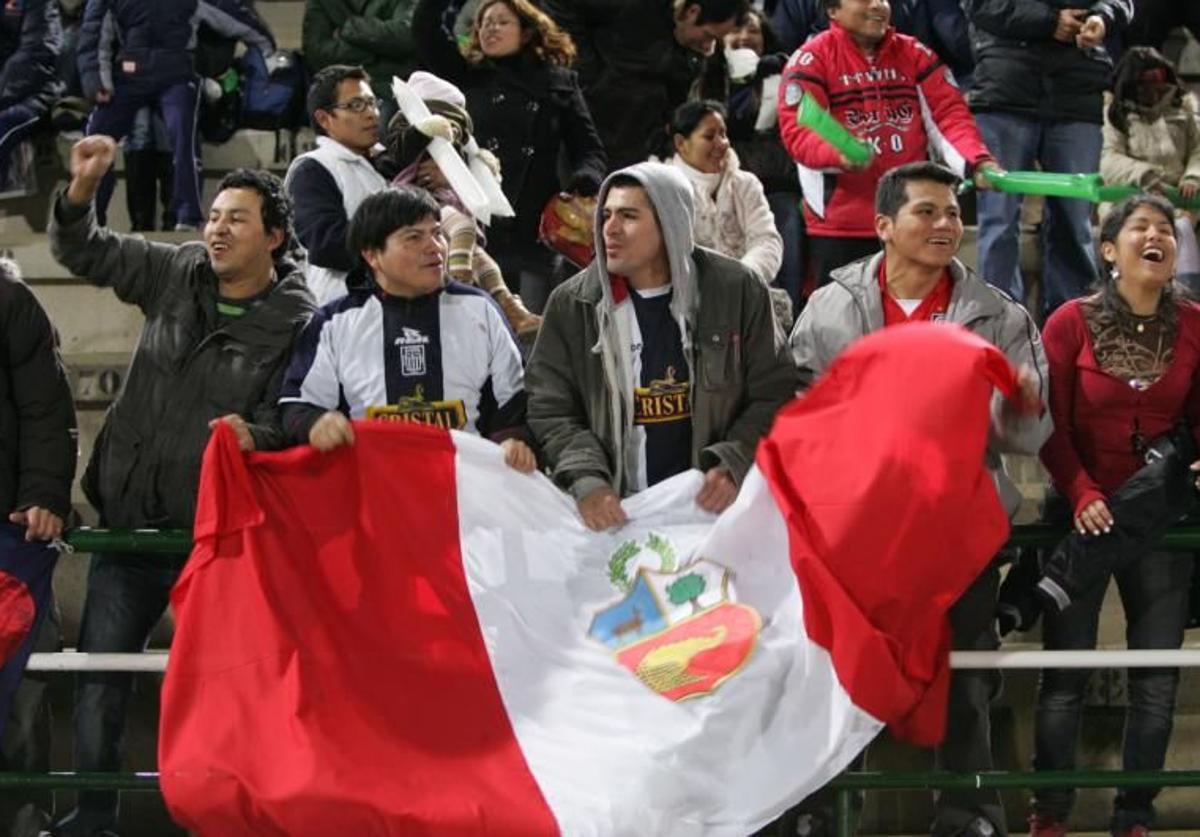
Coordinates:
1090 453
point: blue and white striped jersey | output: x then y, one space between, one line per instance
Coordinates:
446 359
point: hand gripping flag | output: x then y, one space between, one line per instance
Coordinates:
405 637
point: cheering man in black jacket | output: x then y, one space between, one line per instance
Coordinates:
220 320
37 420
37 464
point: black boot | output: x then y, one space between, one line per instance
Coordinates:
140 189
164 168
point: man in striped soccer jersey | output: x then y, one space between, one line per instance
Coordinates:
404 344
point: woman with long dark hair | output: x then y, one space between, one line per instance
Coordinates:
528 110
1123 379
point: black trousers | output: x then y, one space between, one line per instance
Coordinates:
967 746
25 745
826 254
1154 19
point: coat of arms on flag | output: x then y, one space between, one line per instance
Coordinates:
679 629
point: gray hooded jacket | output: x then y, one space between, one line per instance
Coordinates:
851 306
579 380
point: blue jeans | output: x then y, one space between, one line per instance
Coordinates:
1068 252
789 221
179 104
25 744
126 596
1154 593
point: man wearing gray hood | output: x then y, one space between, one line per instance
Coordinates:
659 357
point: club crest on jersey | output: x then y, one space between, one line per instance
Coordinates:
412 345
663 401
448 415
678 628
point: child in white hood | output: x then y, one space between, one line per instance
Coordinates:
406 161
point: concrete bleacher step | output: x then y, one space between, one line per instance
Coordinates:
247 148
32 252
90 320
286 20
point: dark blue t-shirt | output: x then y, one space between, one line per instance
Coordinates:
662 402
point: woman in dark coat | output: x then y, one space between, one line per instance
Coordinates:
528 110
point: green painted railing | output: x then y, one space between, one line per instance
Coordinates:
845 785
848 783
1041 534
179 541
157 541
79 781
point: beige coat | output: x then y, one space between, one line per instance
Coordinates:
734 218
1166 148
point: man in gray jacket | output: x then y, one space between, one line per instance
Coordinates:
657 358
220 321
917 277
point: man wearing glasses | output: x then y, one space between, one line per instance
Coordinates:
328 183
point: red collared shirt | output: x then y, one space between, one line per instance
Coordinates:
932 307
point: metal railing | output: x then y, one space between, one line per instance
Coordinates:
178 541
150 541
845 785
1185 537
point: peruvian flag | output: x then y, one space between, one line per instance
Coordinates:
405 637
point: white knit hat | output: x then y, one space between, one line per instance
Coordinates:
433 88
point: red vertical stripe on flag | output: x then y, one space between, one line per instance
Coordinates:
879 471
328 675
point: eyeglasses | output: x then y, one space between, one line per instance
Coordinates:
358 104
498 22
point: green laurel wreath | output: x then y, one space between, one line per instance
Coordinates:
666 553
618 564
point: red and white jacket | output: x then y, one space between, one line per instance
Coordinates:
901 100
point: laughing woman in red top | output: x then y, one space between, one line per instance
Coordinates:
1123 366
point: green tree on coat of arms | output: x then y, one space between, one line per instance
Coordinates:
687 589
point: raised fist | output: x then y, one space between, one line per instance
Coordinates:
92 156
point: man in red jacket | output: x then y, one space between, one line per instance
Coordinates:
891 91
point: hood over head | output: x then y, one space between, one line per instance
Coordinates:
670 195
